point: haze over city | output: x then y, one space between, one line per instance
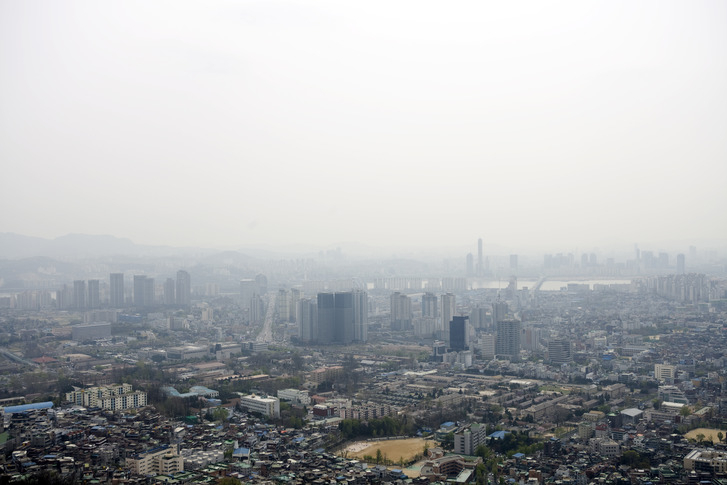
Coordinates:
231 124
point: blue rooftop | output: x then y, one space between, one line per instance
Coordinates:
498 435
28 407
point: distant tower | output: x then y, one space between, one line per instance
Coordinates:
513 263
480 260
262 284
459 334
681 267
183 292
79 294
117 290
94 294
499 310
508 340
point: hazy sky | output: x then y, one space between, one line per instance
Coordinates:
384 122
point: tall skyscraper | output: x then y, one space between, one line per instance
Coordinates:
342 317
94 294
401 315
499 310
117 290
681 267
149 292
429 305
470 265
448 309
459 334
480 260
513 263
139 290
307 317
326 318
183 292
508 340
169 289
293 304
281 305
79 294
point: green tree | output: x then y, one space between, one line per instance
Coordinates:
379 456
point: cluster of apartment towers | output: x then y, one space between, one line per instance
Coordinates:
87 294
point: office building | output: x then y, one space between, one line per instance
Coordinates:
91 331
116 297
665 373
94 294
448 309
560 351
401 314
478 318
79 294
295 295
507 345
459 334
267 406
295 396
183 292
262 284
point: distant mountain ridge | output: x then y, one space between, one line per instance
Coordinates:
16 246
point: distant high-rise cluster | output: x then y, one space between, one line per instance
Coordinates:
334 318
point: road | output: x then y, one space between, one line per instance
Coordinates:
266 333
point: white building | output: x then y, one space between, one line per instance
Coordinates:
467 440
295 396
162 460
267 406
114 397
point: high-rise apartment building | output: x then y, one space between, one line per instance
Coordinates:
94 294
79 294
116 296
342 317
149 292
507 344
470 264
139 281
183 293
307 317
499 312
429 305
401 315
248 290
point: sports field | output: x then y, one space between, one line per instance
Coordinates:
393 450
707 432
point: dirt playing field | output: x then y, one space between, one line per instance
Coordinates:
393 450
708 434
